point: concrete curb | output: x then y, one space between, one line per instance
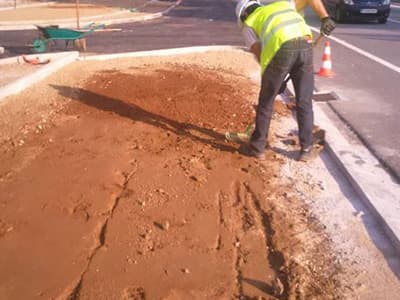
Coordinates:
30 24
162 52
378 191
373 184
58 60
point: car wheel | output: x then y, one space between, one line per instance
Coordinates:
339 15
382 20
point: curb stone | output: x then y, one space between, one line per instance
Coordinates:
58 60
366 175
162 52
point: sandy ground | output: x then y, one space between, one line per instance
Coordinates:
11 3
62 10
116 183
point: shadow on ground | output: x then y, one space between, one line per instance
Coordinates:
136 113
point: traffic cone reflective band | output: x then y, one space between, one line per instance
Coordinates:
326 69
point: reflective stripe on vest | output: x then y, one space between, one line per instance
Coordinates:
275 24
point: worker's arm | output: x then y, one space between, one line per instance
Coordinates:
252 42
317 6
327 24
256 50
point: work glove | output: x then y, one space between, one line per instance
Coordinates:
327 26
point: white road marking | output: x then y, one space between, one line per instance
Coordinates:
394 5
362 52
394 21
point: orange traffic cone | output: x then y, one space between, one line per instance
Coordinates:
326 69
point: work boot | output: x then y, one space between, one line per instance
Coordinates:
248 150
318 136
308 154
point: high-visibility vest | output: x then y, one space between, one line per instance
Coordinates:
275 24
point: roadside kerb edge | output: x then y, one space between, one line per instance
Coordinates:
161 52
376 188
379 192
58 60
145 17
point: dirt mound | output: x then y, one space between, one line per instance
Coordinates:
131 192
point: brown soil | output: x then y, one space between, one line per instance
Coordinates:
116 183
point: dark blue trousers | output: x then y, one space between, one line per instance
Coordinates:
295 57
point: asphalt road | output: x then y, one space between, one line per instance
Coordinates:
366 82
193 23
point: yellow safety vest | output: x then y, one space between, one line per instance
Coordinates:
275 24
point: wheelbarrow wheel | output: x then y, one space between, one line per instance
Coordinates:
39 45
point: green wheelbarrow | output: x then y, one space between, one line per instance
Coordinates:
52 33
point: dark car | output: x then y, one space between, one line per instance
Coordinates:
343 10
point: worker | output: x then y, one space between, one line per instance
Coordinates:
281 41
